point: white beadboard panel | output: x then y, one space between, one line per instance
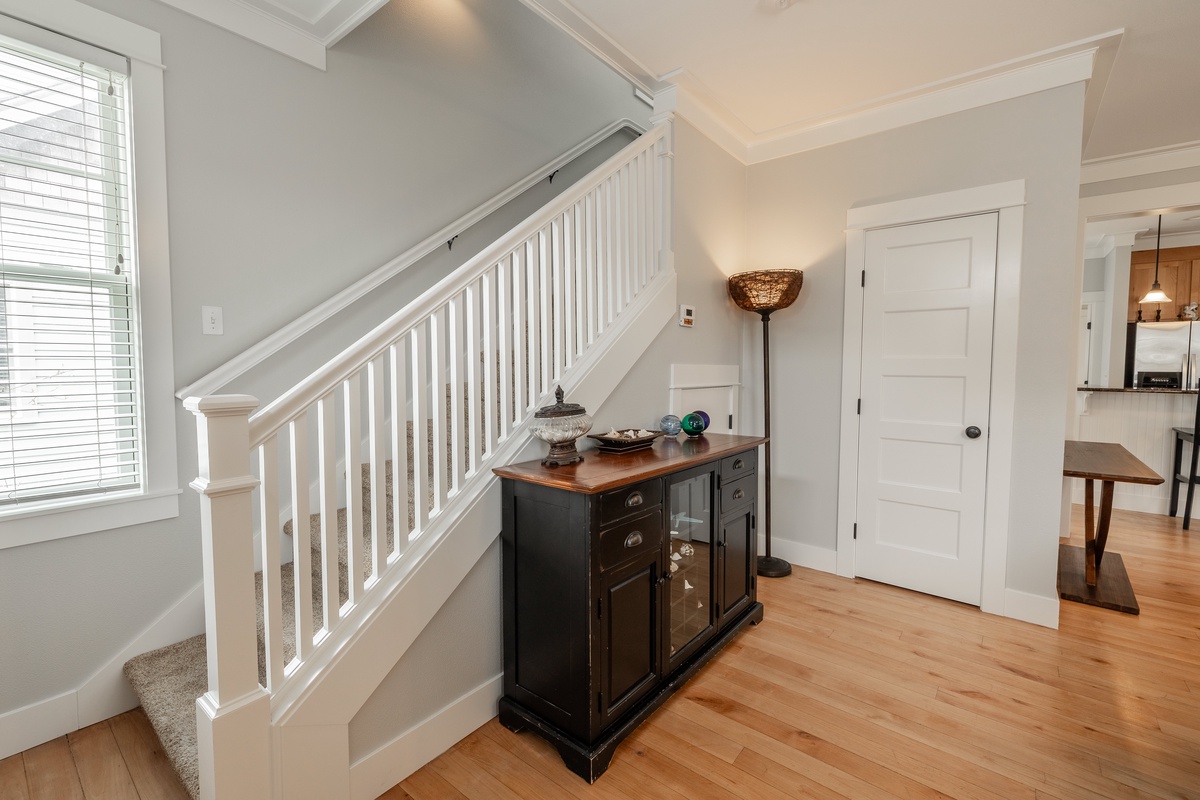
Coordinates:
1142 422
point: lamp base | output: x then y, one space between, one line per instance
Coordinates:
773 567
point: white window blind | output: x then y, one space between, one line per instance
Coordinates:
70 390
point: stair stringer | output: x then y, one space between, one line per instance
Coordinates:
311 714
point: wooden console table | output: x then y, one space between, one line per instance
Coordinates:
623 575
1079 568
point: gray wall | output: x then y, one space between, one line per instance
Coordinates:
287 184
1093 275
461 648
797 217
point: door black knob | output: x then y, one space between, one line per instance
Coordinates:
973 432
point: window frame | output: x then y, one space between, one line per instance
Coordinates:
158 498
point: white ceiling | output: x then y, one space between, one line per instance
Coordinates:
764 69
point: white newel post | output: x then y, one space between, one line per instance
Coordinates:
233 718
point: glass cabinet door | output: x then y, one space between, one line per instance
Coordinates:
689 562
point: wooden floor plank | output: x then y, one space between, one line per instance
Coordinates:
13 785
152 773
102 770
50 770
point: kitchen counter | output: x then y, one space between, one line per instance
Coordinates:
1134 390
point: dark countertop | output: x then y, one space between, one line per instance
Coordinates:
1137 391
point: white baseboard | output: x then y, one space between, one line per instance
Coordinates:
381 770
106 693
1031 608
800 554
1147 504
30 726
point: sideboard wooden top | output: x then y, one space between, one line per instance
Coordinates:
600 471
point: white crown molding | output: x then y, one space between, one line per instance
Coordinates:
1027 80
1086 60
1107 243
1169 240
1128 165
570 21
258 26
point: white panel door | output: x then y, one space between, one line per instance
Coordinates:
926 381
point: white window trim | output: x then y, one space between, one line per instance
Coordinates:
159 498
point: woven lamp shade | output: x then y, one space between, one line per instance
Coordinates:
766 290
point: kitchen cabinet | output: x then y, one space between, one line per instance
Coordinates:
1178 274
623 574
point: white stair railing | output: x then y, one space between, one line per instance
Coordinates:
436 395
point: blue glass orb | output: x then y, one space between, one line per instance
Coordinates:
693 424
704 416
670 425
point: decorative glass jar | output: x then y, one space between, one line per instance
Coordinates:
559 426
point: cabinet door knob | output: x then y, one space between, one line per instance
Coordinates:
634 499
668 575
973 432
738 464
738 494
633 539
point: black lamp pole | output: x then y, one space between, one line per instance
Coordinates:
764 292
768 566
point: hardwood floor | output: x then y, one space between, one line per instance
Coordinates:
849 689
852 689
117 759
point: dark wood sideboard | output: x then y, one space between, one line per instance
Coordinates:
623 575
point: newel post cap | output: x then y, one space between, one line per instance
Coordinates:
221 405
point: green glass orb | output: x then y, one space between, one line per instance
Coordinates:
693 424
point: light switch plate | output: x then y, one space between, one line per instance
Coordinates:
213 323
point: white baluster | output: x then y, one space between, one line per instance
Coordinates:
520 337
352 410
327 492
400 481
554 236
505 275
589 256
491 336
608 256
418 364
437 405
376 391
455 432
268 470
301 536
533 322
474 351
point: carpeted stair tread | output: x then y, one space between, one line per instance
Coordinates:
167 682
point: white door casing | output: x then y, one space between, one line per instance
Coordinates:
925 389
1009 199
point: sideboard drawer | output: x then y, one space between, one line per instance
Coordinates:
735 467
637 536
630 500
738 493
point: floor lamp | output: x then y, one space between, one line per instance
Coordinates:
763 292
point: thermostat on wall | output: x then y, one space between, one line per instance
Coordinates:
687 316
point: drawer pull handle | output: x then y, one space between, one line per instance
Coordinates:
738 464
738 494
633 500
633 539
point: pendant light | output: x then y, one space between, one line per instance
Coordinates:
1156 294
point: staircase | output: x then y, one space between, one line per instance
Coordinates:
570 297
